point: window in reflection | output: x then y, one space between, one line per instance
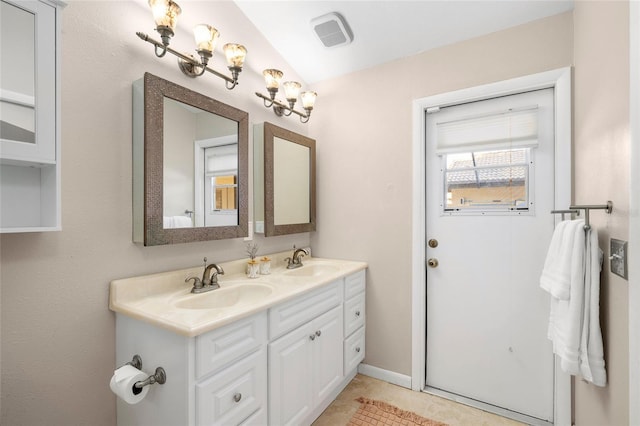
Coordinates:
221 185
224 192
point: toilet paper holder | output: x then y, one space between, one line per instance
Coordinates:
160 377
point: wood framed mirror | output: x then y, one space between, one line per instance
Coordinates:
284 181
190 165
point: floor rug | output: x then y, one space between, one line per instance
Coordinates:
372 412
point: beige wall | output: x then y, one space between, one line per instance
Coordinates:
601 152
364 161
58 343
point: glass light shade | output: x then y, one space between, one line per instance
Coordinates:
308 99
291 90
235 54
272 78
165 13
206 37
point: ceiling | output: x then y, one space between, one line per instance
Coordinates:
383 30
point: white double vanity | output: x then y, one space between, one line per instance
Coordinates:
275 350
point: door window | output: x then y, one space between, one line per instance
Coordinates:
487 182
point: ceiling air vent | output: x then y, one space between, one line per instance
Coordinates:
332 30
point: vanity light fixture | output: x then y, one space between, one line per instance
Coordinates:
272 78
165 14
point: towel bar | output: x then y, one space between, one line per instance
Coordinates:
608 208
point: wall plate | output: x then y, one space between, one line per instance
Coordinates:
618 258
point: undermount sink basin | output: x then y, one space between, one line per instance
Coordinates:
239 294
311 270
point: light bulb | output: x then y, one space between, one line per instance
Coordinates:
308 99
206 38
235 54
165 13
291 90
272 78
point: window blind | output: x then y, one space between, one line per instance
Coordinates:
222 159
511 129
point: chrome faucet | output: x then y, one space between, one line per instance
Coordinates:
295 261
209 278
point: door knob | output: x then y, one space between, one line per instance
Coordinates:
433 262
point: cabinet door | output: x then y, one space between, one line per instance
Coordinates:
327 353
290 388
28 87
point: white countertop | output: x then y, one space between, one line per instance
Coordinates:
156 298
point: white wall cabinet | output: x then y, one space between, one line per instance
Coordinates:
29 116
296 352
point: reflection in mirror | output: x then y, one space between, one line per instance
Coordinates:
17 86
190 165
200 170
284 181
291 182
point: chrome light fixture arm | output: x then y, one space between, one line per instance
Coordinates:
190 66
279 108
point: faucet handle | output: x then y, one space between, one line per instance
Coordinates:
197 284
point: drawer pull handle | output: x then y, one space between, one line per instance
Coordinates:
312 337
237 397
357 313
357 348
318 333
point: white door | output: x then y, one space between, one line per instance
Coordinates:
488 208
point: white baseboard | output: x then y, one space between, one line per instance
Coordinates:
386 375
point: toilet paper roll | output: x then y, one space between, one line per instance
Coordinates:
123 381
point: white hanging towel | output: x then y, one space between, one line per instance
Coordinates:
556 275
574 323
591 348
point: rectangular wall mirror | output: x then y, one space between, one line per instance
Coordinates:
190 165
284 181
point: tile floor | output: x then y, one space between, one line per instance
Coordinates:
426 405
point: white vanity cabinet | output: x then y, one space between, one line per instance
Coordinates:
217 378
282 365
29 116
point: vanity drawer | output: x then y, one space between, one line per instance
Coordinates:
354 284
292 314
218 348
354 310
353 350
230 397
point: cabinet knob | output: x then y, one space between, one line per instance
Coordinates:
237 397
357 313
318 333
357 348
312 337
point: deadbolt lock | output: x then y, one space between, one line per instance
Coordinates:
433 243
433 263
